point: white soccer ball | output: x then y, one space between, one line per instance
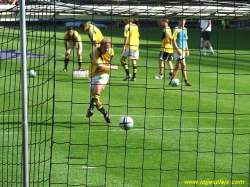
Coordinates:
175 82
32 73
126 122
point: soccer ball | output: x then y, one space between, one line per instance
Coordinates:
175 82
32 73
126 123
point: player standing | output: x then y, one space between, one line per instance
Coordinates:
130 48
180 45
166 50
206 31
201 41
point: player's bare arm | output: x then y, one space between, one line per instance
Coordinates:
104 67
187 50
124 46
178 50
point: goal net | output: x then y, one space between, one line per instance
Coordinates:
40 52
182 135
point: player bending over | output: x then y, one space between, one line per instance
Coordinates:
94 33
72 39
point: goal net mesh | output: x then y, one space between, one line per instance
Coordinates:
197 135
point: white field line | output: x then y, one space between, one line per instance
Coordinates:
88 167
133 129
137 129
142 129
139 116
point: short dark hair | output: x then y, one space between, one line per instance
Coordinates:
70 28
82 25
85 24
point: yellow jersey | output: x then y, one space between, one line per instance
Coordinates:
131 31
74 40
95 34
98 59
166 44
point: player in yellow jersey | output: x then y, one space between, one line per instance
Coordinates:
100 65
130 48
94 33
72 39
166 50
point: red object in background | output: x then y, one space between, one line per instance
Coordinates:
138 23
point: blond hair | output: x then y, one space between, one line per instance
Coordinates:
129 20
105 41
165 20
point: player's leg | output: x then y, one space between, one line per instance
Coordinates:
92 105
170 66
125 66
184 68
99 106
184 72
178 59
95 100
79 54
201 43
133 61
161 66
204 47
208 44
67 55
210 47
161 69
105 113
66 60
204 36
176 69
95 97
134 56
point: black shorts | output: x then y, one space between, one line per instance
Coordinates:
165 56
206 35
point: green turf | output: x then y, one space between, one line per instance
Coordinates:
198 133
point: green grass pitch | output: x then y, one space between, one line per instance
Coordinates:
198 133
